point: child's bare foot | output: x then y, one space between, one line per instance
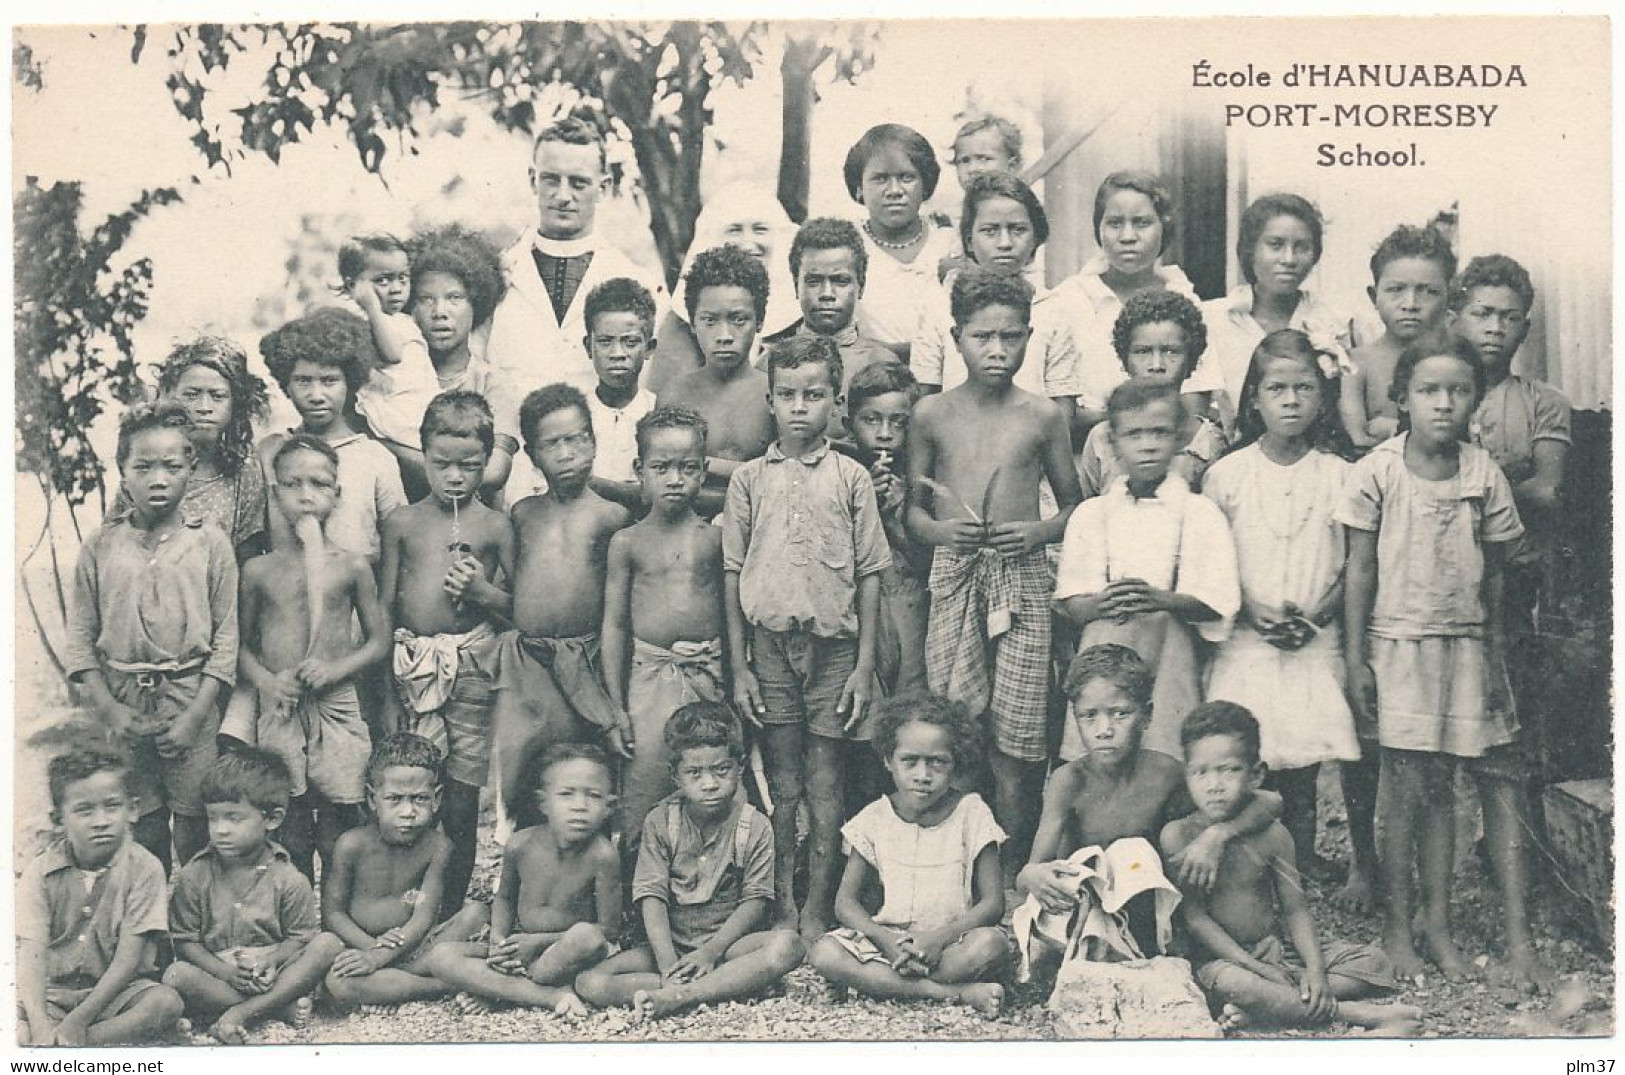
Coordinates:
987 998
1232 1018
813 926
1358 894
1397 1021
1401 953
653 1004
1442 952
469 1004
1527 972
570 1006
228 1031
298 1014
389 1011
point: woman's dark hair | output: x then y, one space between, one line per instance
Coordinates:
911 142
1258 217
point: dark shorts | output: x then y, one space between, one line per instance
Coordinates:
801 676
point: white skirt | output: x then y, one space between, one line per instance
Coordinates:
1298 698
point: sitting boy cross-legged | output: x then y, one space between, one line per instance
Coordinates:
242 917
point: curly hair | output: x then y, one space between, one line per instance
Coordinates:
249 402
305 442
459 413
703 724
82 764
1120 666
1326 432
1258 217
467 255
829 233
1008 132
726 266
1408 241
403 749
806 350
990 185
244 774
620 296
911 142
1222 718
145 416
672 417
976 288
328 337
1147 183
1493 270
964 733
1435 345
1155 308
879 379
544 401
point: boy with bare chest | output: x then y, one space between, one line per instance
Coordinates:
557 908
975 462
297 607
549 689
441 559
727 299
663 611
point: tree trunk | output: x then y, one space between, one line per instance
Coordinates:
795 152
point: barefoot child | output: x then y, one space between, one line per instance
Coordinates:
442 559
802 551
726 291
663 617
152 630
90 910
1279 488
1431 520
549 688
386 884
977 455
1148 563
1236 922
300 654
1410 279
242 918
934 852
557 908
704 884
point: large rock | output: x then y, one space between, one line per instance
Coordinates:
1143 998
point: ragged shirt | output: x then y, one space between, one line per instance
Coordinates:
80 930
279 904
697 876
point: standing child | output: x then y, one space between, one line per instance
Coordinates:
620 331
1279 489
934 852
1236 921
300 604
442 557
242 918
557 909
1410 278
90 911
802 552
704 884
1430 522
152 629
386 883
1159 338
1148 563
663 609
549 689
976 460
727 299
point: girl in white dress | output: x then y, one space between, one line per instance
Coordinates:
1279 488
935 852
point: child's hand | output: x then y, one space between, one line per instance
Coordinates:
930 944
245 978
1362 691
621 739
966 536
503 956
1316 994
697 964
748 694
1123 598
1197 865
908 959
180 733
284 689
393 938
316 674
72 1030
353 963
1014 539
855 697
463 579
365 296
1055 884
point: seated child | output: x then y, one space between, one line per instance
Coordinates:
1410 281
803 550
727 299
320 361
663 617
704 884
1148 563
442 556
1118 790
549 689
386 884
934 851
375 274
242 918
90 911
880 402
620 316
1158 337
299 606
557 908
457 281
978 455
1236 922
152 630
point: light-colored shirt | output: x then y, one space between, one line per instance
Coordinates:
165 609
615 431
800 532
1233 333
278 906
897 298
394 398
80 928
702 879
1173 540
369 489
926 873
1430 539
1050 368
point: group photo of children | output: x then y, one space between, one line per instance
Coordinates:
989 584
